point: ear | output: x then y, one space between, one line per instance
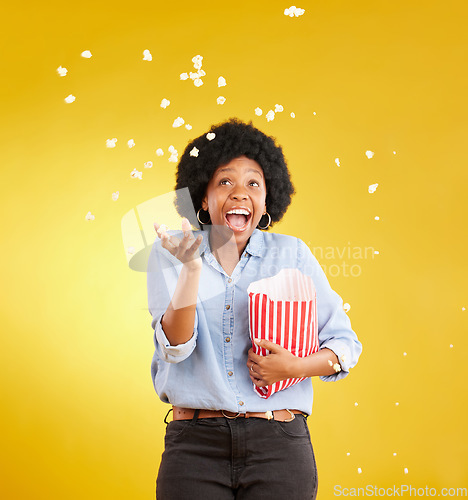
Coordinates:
204 204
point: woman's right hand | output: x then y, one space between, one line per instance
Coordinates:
185 249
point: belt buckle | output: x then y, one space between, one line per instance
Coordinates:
292 416
231 418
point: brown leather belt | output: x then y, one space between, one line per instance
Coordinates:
280 415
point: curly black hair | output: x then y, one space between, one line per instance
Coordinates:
234 138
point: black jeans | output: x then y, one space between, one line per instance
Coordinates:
220 459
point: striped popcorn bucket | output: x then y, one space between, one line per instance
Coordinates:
283 310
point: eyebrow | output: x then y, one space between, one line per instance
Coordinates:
228 169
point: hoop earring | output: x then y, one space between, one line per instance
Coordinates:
269 221
198 217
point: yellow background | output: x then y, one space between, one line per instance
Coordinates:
79 415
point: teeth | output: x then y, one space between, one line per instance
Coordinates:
239 211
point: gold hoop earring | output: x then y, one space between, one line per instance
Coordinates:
269 221
198 217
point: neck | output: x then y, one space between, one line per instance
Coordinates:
224 246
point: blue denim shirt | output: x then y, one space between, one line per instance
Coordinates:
210 371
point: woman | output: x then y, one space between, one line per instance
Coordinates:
225 441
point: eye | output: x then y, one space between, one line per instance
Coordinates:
254 182
224 181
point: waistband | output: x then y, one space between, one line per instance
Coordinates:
285 415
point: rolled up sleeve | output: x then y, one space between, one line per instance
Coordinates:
162 276
334 327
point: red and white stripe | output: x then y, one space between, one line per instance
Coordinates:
291 324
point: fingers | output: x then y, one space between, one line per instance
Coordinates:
196 244
258 381
184 249
185 224
254 358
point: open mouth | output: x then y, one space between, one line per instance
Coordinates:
238 219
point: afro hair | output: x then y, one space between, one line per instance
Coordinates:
234 138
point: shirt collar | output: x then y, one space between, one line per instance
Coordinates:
255 245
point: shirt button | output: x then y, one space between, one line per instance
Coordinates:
228 307
229 280
230 374
245 254
241 403
228 339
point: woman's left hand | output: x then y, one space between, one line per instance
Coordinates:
280 364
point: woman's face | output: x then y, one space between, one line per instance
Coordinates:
238 186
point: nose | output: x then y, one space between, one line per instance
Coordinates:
238 194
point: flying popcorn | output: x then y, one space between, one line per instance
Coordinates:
377 217
356 403
221 82
193 76
405 470
404 354
194 152
337 161
337 367
278 108
70 98
359 470
162 229
270 115
89 216
198 82
172 149
210 136
330 362
369 154
197 60
178 122
131 143
347 454
314 113
148 164
258 111
397 404
136 174
62 71
165 103
87 54
159 152
221 100
376 252
372 188
174 158
188 127
131 250
201 73
463 309
294 11
184 76
292 115
115 196
451 345
394 454
346 307
147 55
110 143
394 152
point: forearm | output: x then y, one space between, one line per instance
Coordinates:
317 364
179 319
